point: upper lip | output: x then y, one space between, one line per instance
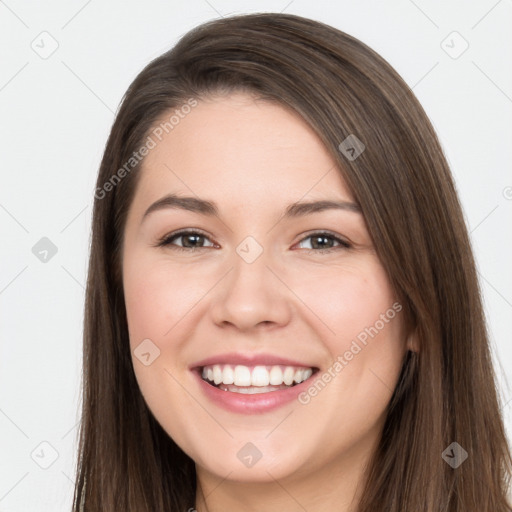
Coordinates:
248 359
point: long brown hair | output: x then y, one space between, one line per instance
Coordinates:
446 392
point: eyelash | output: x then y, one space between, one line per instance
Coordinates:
167 240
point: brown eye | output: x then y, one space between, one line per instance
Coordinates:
190 240
323 242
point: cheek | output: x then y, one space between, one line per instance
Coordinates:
361 324
158 301
157 297
345 300
363 332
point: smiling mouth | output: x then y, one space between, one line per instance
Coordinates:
255 379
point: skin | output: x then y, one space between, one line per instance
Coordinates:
253 158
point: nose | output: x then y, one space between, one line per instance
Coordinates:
251 296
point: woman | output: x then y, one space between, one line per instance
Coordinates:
282 306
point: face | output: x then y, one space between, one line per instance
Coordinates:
266 339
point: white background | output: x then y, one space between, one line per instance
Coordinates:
55 117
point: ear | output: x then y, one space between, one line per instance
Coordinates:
412 342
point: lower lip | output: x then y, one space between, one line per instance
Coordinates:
250 404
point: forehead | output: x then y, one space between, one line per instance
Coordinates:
235 148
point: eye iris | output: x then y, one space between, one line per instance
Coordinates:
322 245
191 236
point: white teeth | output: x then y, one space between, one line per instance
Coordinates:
276 376
242 376
260 376
217 374
263 377
253 390
228 375
288 374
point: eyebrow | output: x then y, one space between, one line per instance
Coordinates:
210 209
